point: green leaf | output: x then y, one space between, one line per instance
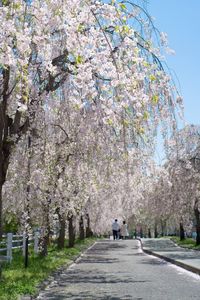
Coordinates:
79 60
155 99
117 28
146 115
152 77
123 6
81 28
109 122
125 29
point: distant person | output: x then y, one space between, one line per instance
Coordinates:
115 229
119 234
124 230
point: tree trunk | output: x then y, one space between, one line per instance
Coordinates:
61 238
81 229
163 227
155 231
28 187
1 215
4 143
182 232
88 232
71 231
45 239
47 222
197 216
149 233
48 230
44 244
9 127
135 233
4 162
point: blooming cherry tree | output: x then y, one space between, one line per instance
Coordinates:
88 86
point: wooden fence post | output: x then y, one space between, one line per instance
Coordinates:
24 244
9 247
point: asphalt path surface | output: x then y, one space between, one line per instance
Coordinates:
120 270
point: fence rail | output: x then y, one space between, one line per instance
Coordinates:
12 242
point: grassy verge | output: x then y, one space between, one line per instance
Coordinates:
16 280
187 243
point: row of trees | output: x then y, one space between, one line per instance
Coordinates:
82 91
172 199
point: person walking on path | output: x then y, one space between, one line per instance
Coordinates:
124 230
115 229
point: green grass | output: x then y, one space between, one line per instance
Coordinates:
16 280
187 243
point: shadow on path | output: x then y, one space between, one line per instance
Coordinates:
78 276
87 295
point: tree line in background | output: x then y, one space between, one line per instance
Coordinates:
171 203
82 93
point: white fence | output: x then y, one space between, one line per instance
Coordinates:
12 241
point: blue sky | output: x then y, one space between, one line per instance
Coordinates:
180 19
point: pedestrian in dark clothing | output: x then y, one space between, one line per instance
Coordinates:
115 229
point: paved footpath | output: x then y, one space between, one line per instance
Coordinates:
165 248
120 270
